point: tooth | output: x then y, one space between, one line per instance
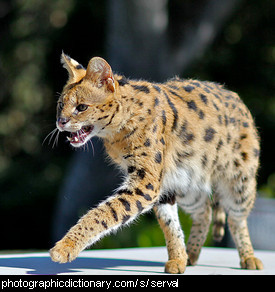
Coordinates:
76 139
69 138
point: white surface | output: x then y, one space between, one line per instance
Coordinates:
132 261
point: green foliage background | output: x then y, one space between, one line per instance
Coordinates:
32 35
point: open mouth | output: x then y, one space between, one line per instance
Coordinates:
81 136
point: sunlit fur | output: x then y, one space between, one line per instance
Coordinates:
185 143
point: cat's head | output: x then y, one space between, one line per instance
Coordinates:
85 105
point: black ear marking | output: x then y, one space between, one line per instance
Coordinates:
75 70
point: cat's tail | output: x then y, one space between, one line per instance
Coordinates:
219 218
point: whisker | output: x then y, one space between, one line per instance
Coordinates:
92 146
56 139
51 134
85 146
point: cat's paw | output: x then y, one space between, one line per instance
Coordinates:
252 263
192 259
64 251
176 266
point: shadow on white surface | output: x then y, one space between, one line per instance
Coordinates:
44 266
132 261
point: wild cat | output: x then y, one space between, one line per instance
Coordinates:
185 143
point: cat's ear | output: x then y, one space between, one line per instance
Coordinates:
99 72
75 70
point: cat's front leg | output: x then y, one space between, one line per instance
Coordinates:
116 211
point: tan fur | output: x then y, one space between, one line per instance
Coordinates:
183 142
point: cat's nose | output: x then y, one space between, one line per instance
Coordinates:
62 122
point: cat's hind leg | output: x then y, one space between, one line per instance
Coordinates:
201 213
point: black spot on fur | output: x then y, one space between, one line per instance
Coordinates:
139 206
130 133
237 163
188 88
169 198
201 114
125 191
228 138
156 102
232 120
147 143
163 117
196 84
149 187
174 93
158 89
145 196
104 224
184 135
72 85
226 120
123 81
174 110
219 145
188 137
215 161
243 136
215 106
192 105
141 173
209 134
142 88
204 160
203 98
125 203
244 156
131 169
127 156
158 157
173 87
102 118
114 213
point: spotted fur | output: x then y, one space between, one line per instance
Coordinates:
185 143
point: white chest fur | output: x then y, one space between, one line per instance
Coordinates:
186 180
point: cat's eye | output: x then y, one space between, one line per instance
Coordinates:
81 107
60 105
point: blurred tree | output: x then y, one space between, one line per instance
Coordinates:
157 39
